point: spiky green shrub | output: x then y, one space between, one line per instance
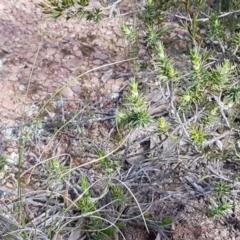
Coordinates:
203 96
221 188
163 125
134 111
219 210
94 223
107 166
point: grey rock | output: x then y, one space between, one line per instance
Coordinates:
3 53
106 75
67 92
101 56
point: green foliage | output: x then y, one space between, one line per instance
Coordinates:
221 188
129 33
198 70
101 153
192 95
210 115
165 221
197 135
151 37
233 94
164 64
71 9
236 39
100 230
221 76
207 89
133 117
226 5
3 161
118 194
83 182
95 225
85 204
57 171
107 166
163 125
134 112
221 209
215 29
153 11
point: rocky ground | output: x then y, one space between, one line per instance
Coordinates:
38 56
53 52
